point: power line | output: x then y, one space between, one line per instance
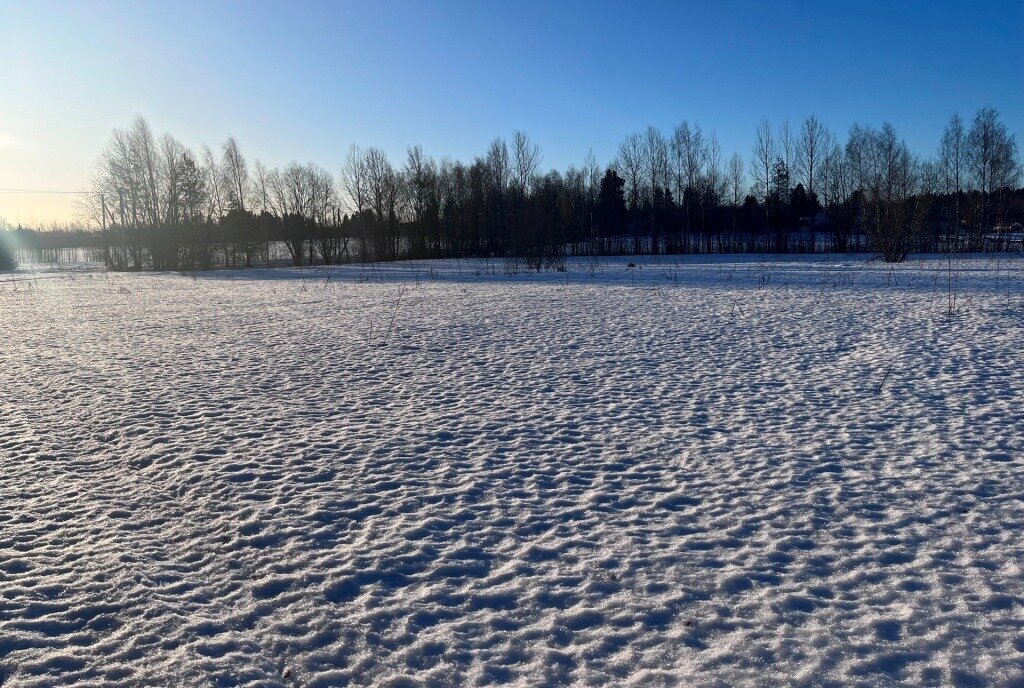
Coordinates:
40 190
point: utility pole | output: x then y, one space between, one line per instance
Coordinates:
103 230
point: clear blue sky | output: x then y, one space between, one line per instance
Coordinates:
304 80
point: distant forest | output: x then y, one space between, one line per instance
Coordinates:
162 206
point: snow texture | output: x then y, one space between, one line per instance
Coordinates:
730 472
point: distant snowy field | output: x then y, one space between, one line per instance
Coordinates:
732 472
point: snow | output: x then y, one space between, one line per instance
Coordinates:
697 472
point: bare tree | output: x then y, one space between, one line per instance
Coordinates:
214 181
890 177
736 179
953 169
323 214
953 155
992 163
499 166
236 174
383 185
656 162
713 189
787 148
810 149
526 158
304 198
836 187
592 173
355 187
735 184
762 159
150 194
422 197
630 164
238 227
714 179
260 192
498 169
656 155
165 242
689 154
130 174
761 164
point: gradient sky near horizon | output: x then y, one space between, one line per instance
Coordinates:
304 80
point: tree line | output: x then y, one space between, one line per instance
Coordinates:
161 205
7 261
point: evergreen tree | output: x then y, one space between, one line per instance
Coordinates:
610 216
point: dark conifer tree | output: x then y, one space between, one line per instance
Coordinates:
610 216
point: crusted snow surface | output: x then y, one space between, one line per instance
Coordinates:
730 472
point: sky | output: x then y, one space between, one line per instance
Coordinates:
305 80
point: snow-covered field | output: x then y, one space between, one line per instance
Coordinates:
730 472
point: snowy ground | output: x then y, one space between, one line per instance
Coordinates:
698 473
